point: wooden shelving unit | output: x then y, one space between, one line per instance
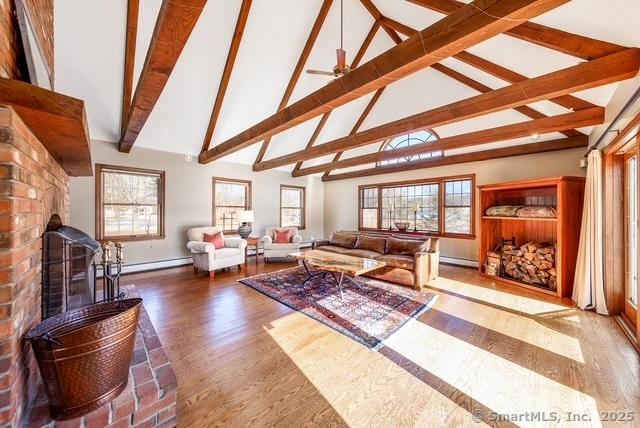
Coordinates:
566 194
486 217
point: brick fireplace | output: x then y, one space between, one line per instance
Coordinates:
33 186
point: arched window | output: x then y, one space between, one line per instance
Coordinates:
419 137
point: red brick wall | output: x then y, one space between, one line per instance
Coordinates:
33 186
12 61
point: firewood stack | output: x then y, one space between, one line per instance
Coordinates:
532 263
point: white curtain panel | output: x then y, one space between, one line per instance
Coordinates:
588 285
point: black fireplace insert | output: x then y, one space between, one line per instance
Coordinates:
68 268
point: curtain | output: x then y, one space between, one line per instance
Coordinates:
588 284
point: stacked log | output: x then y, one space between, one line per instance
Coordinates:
532 263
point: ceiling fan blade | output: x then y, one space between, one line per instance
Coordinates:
322 73
342 58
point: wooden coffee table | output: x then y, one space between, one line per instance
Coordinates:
330 264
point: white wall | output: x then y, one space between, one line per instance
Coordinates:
330 206
188 198
623 93
341 197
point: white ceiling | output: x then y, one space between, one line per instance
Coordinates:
89 49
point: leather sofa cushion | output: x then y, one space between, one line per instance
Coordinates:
392 274
397 261
344 240
371 243
350 251
332 249
361 253
406 247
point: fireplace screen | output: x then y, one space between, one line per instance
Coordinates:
68 273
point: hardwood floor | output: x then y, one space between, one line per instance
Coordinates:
244 359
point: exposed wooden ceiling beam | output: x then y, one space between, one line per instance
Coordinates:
241 23
613 68
377 16
315 135
566 101
474 84
571 44
466 27
593 116
503 73
176 20
524 109
372 102
360 120
297 71
365 45
133 7
503 152
356 61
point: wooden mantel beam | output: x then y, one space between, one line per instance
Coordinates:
297 71
176 20
571 44
503 152
613 68
590 117
466 27
234 47
58 121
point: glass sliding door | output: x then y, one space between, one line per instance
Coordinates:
631 237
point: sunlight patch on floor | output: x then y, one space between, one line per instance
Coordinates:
572 318
506 300
499 384
363 386
517 326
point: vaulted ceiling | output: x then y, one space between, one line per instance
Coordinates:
244 60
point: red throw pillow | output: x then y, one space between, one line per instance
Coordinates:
282 236
216 239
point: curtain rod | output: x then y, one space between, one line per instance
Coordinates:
625 108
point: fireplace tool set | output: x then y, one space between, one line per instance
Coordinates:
111 271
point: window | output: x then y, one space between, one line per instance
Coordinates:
457 206
631 231
292 206
229 197
369 204
437 206
411 139
129 203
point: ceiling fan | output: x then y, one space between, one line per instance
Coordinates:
341 68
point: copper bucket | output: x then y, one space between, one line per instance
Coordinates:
84 355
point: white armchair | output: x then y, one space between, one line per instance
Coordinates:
273 250
207 258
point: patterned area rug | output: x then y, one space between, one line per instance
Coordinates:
369 313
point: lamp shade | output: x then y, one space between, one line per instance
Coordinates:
245 216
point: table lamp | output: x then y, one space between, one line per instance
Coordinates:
244 218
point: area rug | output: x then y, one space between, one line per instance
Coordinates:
369 313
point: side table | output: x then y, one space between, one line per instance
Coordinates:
254 243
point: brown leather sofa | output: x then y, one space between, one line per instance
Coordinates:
410 261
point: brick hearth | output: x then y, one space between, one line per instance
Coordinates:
148 401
